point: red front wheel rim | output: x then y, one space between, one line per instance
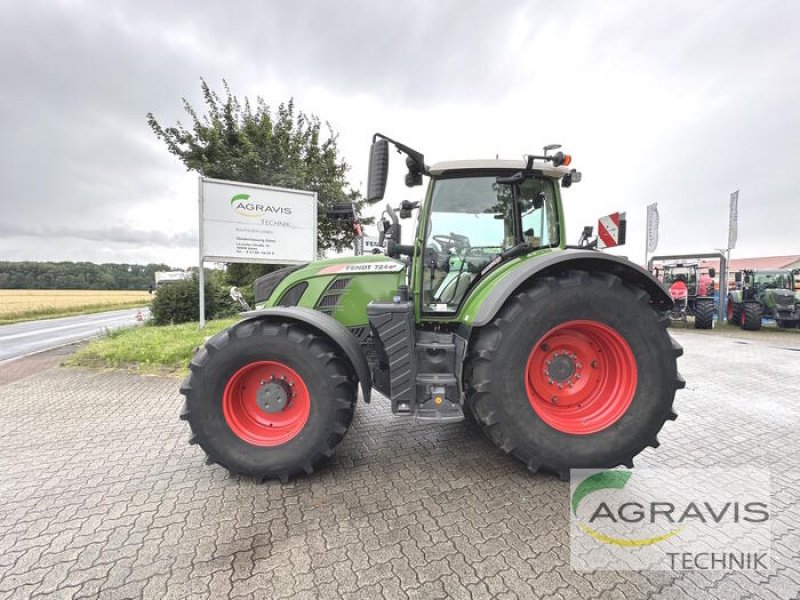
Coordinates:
581 377
266 403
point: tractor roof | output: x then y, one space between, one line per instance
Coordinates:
495 165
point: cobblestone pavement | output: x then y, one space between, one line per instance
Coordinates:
101 496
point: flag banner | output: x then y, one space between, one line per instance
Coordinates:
733 221
652 227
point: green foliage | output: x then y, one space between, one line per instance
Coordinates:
178 302
147 349
240 141
28 275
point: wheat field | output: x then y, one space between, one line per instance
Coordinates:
18 305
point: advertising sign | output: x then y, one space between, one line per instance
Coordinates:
247 223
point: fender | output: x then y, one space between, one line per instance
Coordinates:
587 260
736 296
329 327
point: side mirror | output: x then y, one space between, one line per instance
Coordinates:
586 235
572 177
406 206
737 277
712 272
378 170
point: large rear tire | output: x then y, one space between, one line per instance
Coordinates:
704 313
269 399
576 371
751 316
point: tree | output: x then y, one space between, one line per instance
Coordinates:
239 141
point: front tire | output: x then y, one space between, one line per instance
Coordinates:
607 389
751 316
268 399
704 314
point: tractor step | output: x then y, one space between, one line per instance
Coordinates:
446 412
435 395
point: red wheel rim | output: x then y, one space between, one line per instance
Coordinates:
266 403
581 377
730 311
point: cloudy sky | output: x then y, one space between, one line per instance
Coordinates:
678 103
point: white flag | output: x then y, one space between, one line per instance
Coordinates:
733 221
652 227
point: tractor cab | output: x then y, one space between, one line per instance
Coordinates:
477 216
686 273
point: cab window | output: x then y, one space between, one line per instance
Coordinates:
472 222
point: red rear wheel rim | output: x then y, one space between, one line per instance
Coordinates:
730 311
581 377
266 403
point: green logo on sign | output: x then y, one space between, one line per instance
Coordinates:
242 204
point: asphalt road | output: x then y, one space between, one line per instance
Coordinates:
29 337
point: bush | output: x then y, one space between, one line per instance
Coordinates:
178 303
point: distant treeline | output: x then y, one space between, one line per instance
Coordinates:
77 276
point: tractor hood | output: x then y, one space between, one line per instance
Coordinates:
779 298
371 264
329 285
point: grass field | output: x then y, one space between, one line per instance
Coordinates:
22 305
149 349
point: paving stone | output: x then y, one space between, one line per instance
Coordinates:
111 502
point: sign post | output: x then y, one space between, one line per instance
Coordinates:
248 223
201 275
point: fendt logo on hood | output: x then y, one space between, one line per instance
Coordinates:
242 204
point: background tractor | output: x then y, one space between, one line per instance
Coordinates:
692 290
762 294
561 354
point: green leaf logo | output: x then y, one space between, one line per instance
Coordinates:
238 204
599 481
611 480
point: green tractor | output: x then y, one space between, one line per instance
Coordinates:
692 291
764 293
561 354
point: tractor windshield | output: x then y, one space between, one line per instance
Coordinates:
471 222
686 274
773 280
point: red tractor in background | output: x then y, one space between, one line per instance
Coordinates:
692 291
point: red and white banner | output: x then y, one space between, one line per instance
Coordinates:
609 229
